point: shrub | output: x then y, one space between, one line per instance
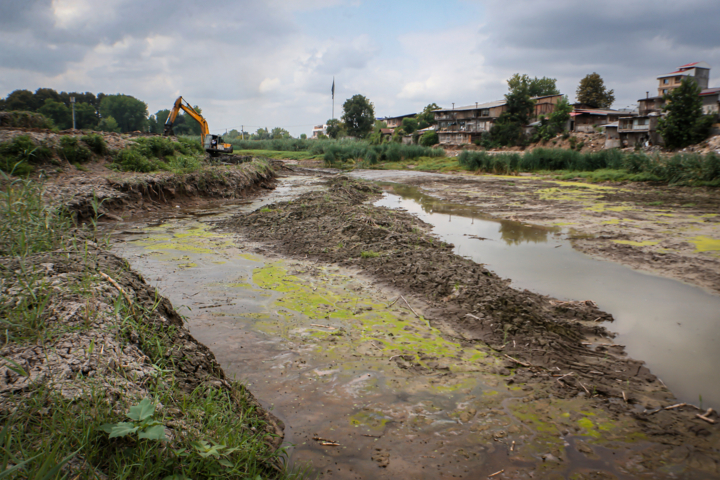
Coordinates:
96 143
131 160
429 138
183 164
17 155
72 151
24 120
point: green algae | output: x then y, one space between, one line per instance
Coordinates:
705 244
370 419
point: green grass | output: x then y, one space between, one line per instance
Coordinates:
150 154
279 154
369 254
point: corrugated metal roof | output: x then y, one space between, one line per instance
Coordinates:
710 91
496 103
695 65
675 74
598 111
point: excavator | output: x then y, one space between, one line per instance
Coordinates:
213 144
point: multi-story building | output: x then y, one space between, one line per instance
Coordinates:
698 71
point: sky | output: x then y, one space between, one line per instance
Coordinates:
271 63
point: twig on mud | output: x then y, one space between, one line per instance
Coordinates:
518 361
624 397
512 446
584 388
496 473
115 284
411 309
325 442
678 405
704 416
371 436
393 302
473 316
566 375
323 326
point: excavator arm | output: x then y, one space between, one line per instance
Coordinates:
213 144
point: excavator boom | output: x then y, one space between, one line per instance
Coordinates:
213 144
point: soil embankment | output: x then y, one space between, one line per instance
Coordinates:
87 341
555 347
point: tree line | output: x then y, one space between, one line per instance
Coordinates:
108 113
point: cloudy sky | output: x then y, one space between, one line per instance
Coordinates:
271 63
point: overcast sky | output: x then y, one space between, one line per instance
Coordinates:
271 63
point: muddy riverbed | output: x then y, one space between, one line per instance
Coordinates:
371 385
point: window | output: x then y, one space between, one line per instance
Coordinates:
678 79
665 91
665 81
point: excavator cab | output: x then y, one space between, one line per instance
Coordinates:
213 144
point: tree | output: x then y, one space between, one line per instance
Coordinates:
427 116
278 132
303 136
20 100
358 116
508 129
42 94
409 124
58 113
335 128
592 91
85 116
108 124
261 134
684 123
129 112
536 87
557 120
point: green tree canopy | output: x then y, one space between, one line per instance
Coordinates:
684 123
427 116
278 132
358 116
108 124
42 94
536 87
409 124
508 128
58 113
261 134
335 128
85 116
557 120
129 112
303 136
21 100
592 91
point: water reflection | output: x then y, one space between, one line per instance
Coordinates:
511 232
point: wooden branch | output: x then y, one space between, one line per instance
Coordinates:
496 473
518 361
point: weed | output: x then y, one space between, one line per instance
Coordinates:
72 151
369 254
96 143
142 423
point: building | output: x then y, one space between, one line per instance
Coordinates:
318 130
711 100
462 125
639 130
586 120
698 71
394 122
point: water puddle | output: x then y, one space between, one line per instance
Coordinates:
670 325
366 388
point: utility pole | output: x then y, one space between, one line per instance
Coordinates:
72 101
242 131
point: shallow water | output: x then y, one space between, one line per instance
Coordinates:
672 326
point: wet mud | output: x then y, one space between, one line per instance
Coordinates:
298 296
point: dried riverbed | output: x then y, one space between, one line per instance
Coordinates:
468 378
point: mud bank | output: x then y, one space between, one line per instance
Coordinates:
120 196
670 231
553 348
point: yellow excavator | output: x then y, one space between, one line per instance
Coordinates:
213 144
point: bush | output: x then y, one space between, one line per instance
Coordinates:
429 139
72 151
131 160
17 155
184 164
96 143
24 120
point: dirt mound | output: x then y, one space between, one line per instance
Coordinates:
120 195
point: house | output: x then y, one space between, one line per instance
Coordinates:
318 130
462 125
612 136
638 130
698 71
394 122
711 100
586 120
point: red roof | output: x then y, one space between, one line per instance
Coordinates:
688 65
